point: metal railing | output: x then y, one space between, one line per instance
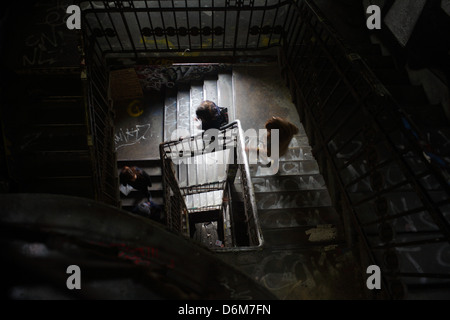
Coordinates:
100 123
231 173
370 155
137 29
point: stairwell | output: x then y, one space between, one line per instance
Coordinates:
303 235
306 253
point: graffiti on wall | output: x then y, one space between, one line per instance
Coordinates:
48 43
157 77
131 136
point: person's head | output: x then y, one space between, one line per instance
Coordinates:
127 174
149 209
206 111
144 209
286 128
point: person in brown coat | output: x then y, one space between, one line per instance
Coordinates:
286 131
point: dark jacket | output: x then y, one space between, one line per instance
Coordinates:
142 182
219 121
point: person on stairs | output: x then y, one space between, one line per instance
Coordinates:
211 115
136 178
149 209
286 131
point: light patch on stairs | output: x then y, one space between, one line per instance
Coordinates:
322 233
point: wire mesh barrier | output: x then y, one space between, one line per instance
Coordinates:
369 152
207 176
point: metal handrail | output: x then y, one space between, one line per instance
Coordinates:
248 189
150 28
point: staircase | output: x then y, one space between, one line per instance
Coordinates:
46 131
383 147
378 178
207 171
294 206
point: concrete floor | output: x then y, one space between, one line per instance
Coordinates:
260 93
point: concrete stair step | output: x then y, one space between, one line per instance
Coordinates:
293 199
405 194
44 168
300 237
298 154
295 217
170 114
41 157
45 85
60 110
210 89
52 138
183 112
225 94
299 140
288 183
196 96
299 167
75 186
